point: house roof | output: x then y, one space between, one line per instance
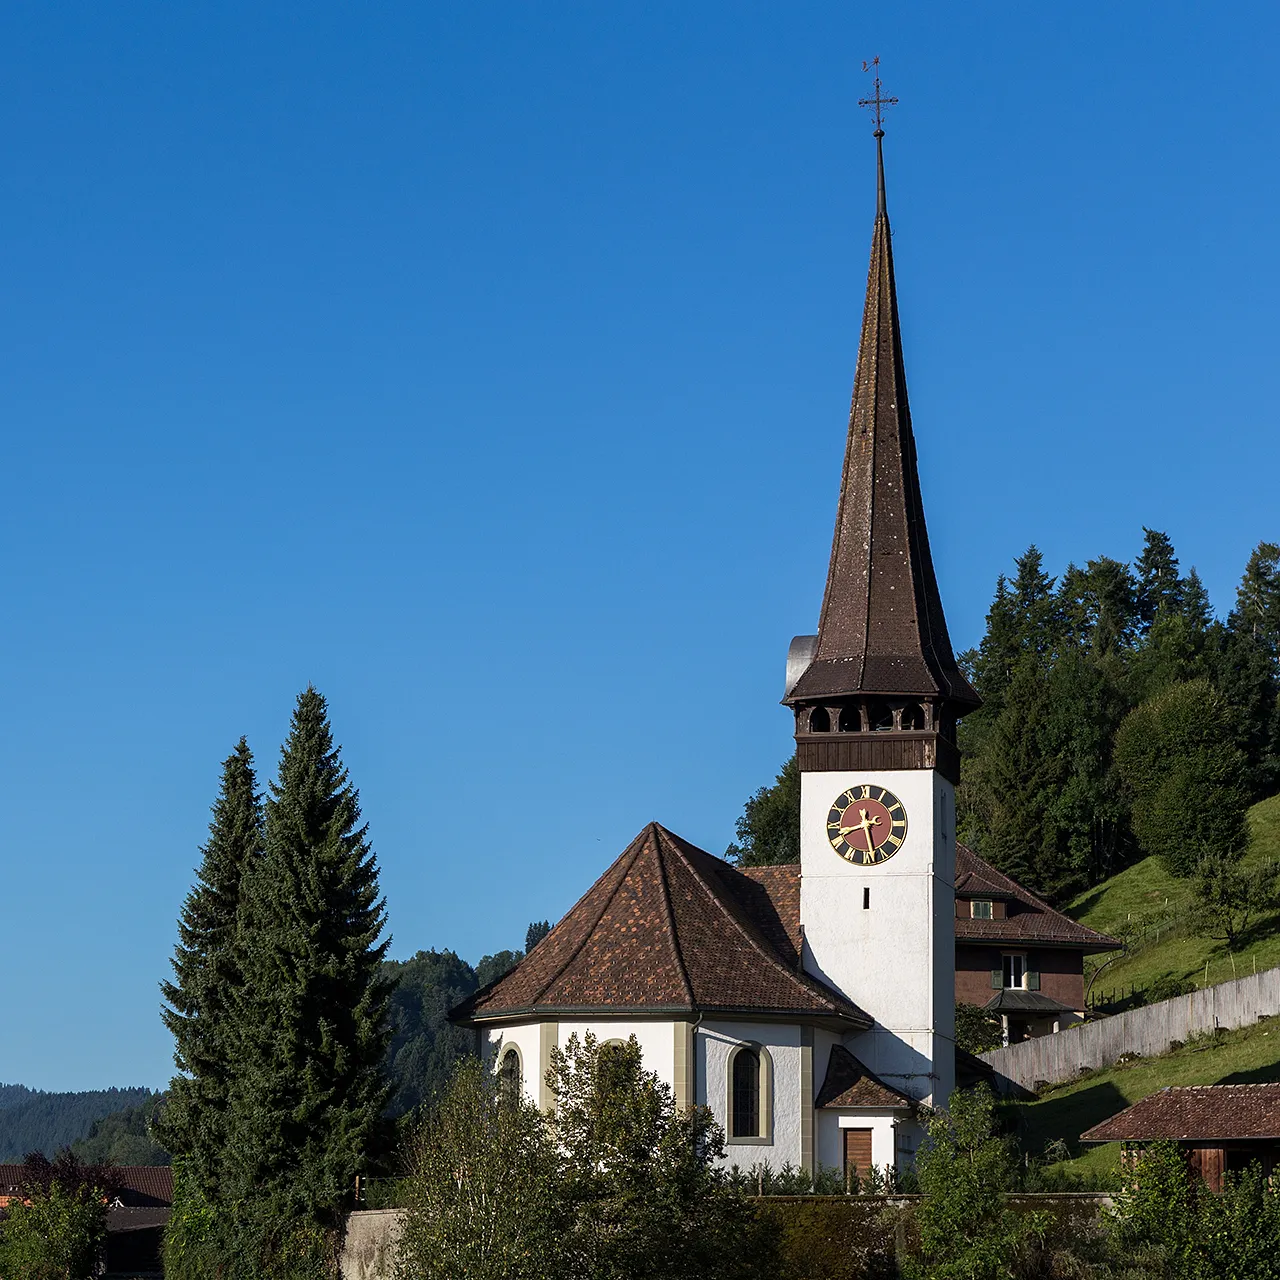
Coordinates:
1030 919
136 1185
1011 1000
882 628
669 929
1196 1113
850 1084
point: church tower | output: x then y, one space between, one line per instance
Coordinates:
876 695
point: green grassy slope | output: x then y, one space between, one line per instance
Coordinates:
1250 1055
1146 895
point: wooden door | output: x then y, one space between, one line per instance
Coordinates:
857 1152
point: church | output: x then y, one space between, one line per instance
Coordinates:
811 1007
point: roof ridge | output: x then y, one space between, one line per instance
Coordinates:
638 843
758 944
1023 891
672 933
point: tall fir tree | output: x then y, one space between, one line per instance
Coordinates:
207 965
1159 582
313 1010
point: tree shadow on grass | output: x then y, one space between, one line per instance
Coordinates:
1066 1117
1266 1074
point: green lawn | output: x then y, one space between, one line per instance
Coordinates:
1250 1055
1146 894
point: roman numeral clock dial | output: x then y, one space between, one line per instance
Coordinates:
867 824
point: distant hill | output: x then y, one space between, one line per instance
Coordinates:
32 1120
1151 909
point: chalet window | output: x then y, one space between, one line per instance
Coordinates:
509 1073
980 910
1015 972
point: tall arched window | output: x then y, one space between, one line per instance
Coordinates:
509 1072
746 1094
750 1089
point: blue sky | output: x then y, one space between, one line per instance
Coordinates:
488 365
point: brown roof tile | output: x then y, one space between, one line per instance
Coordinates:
137 1185
849 1084
1029 919
668 929
1196 1113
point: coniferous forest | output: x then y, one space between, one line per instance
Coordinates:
1121 718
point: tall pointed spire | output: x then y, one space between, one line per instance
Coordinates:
882 631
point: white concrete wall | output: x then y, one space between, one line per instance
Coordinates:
714 1044
895 958
830 1141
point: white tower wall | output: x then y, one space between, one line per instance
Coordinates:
885 934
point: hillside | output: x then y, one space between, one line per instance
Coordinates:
1147 904
32 1120
1250 1055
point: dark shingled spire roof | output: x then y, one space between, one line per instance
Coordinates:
671 930
882 630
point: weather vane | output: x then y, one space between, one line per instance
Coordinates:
879 102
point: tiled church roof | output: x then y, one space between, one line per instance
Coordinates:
669 929
1029 919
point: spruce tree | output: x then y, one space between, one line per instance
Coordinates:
1159 583
312 1015
207 971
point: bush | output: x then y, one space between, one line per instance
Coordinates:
482 1196
57 1230
843 1239
967 1232
1183 1231
617 1185
1166 986
1177 758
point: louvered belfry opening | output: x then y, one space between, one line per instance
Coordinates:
882 689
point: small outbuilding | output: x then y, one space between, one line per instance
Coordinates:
1221 1128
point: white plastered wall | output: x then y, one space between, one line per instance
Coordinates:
830 1140
656 1040
895 957
715 1042
527 1038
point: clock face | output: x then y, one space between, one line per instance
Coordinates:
867 824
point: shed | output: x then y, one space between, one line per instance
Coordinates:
1221 1128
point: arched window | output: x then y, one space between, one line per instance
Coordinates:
509 1072
819 720
750 1094
746 1094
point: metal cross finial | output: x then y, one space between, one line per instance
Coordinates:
879 101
